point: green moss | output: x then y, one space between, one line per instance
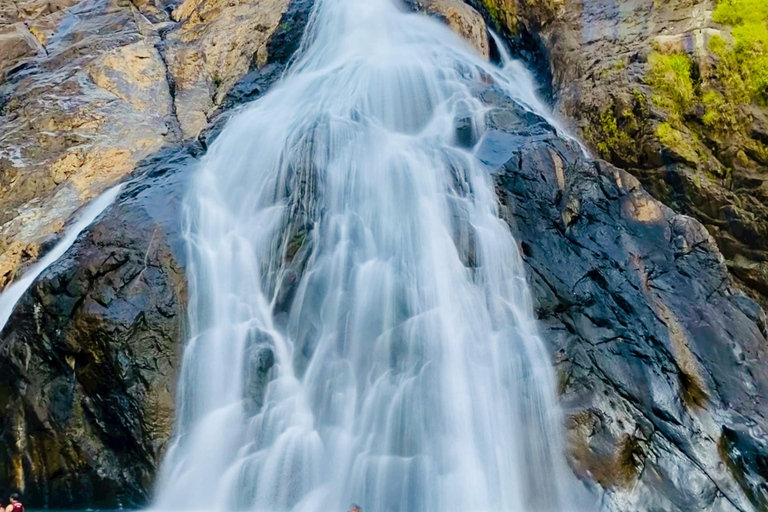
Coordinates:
728 72
743 63
640 98
720 115
295 244
670 75
609 139
503 14
678 142
740 12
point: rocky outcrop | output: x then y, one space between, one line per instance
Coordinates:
461 18
671 92
78 111
659 357
217 43
91 354
91 87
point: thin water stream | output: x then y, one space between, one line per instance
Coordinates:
11 295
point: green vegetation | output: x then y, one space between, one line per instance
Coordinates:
671 78
720 115
743 63
678 142
611 138
738 78
741 12
502 12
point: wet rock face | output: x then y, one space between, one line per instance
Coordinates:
90 357
91 354
659 358
461 18
216 43
77 112
690 136
89 88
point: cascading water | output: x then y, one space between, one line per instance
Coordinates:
361 328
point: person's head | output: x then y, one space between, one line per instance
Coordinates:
14 497
355 508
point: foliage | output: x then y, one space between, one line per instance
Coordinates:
503 13
678 142
740 12
610 140
670 75
743 65
738 78
720 115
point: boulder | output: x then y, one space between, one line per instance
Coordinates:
462 19
91 355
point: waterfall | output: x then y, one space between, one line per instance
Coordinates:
11 295
360 327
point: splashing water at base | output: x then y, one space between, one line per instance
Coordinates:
360 324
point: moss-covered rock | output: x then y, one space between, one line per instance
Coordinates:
673 91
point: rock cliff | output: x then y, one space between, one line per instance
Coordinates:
658 353
673 91
92 87
91 354
659 356
95 92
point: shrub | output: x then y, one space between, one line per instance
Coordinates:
670 75
747 56
678 142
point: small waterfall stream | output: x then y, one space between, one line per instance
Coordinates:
11 295
360 327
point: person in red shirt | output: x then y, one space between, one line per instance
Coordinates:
15 505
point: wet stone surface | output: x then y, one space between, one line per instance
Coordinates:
658 356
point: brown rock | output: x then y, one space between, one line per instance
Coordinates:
90 358
93 95
16 44
98 353
462 19
217 43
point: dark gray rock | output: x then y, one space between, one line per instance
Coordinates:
658 355
90 358
90 355
259 362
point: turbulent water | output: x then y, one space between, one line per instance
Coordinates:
360 324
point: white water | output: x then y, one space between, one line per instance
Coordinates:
409 375
520 79
15 291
